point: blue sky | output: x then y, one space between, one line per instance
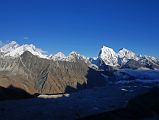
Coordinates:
82 25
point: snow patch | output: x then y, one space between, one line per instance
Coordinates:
53 96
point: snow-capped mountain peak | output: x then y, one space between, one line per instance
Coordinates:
108 55
15 50
125 55
59 56
74 56
9 47
73 53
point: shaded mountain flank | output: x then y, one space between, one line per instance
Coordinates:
13 93
45 76
138 108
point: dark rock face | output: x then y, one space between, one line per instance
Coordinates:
38 75
144 105
102 66
13 93
149 63
132 64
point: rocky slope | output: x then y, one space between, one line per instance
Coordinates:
44 76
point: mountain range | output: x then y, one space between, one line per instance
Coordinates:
30 68
106 54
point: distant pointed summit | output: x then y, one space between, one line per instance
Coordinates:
108 55
123 52
59 56
125 55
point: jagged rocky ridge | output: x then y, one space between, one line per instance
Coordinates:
29 68
45 76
